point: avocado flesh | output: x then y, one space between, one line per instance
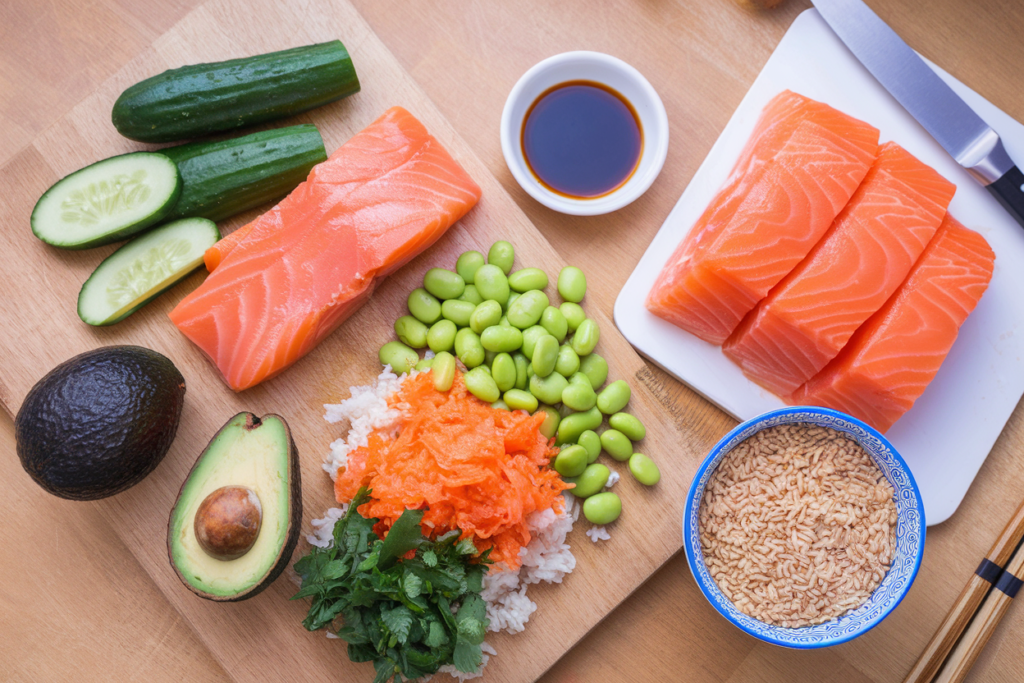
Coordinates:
258 454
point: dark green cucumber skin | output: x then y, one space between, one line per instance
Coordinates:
203 99
221 179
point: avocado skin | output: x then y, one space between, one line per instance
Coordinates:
98 423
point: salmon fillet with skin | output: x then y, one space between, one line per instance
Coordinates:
891 359
810 315
306 265
798 170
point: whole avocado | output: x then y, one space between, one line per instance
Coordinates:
98 423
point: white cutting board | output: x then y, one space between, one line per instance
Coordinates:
949 432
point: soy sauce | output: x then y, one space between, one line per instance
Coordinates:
582 139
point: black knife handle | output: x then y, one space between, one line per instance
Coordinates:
1009 190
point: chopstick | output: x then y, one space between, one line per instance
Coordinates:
959 615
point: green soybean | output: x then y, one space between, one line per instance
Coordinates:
500 405
458 311
644 469
579 395
399 356
522 362
554 322
468 348
467 265
529 373
443 370
502 254
628 425
573 313
441 336
592 442
572 284
527 309
545 355
424 364
517 399
485 367
411 332
503 370
480 383
548 389
489 356
585 338
501 339
602 508
568 362
492 284
424 306
550 425
484 315
528 278
530 337
512 296
571 427
593 479
616 444
595 368
472 295
444 284
571 461
614 397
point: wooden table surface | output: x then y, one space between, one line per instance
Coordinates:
62 566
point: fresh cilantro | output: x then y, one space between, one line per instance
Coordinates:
407 604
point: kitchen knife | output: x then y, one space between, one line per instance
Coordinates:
960 131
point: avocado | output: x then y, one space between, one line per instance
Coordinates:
236 521
98 423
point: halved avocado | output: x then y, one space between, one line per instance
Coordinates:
249 452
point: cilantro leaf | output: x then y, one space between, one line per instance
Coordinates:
430 558
467 657
404 536
412 585
398 620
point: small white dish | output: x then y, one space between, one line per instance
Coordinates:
609 71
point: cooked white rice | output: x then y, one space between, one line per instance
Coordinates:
613 478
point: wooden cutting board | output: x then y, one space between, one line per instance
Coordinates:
262 638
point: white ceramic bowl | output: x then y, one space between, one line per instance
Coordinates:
609 71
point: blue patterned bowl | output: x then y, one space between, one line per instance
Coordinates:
910 532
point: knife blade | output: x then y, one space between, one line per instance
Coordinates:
946 117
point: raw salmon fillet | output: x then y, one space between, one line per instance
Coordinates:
890 360
800 167
311 261
810 315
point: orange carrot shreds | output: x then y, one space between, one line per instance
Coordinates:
470 466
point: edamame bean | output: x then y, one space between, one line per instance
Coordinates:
527 309
499 405
443 370
458 311
424 306
592 480
554 322
585 338
472 295
614 397
528 278
492 284
529 373
628 425
579 395
571 427
568 362
548 389
521 361
572 284
501 338
545 355
503 370
644 469
550 425
592 442
424 364
502 255
530 337
411 332
517 399
484 315
512 296
480 383
400 357
504 321
595 368
467 265
444 284
602 508
485 366
571 461
489 356
616 444
573 313
468 348
441 336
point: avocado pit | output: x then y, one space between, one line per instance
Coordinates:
227 522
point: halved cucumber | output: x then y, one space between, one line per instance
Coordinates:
136 273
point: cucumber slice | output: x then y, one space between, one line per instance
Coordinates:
107 201
140 270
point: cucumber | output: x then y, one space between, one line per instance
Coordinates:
201 99
107 201
221 179
141 269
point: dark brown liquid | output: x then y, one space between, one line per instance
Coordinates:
582 139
